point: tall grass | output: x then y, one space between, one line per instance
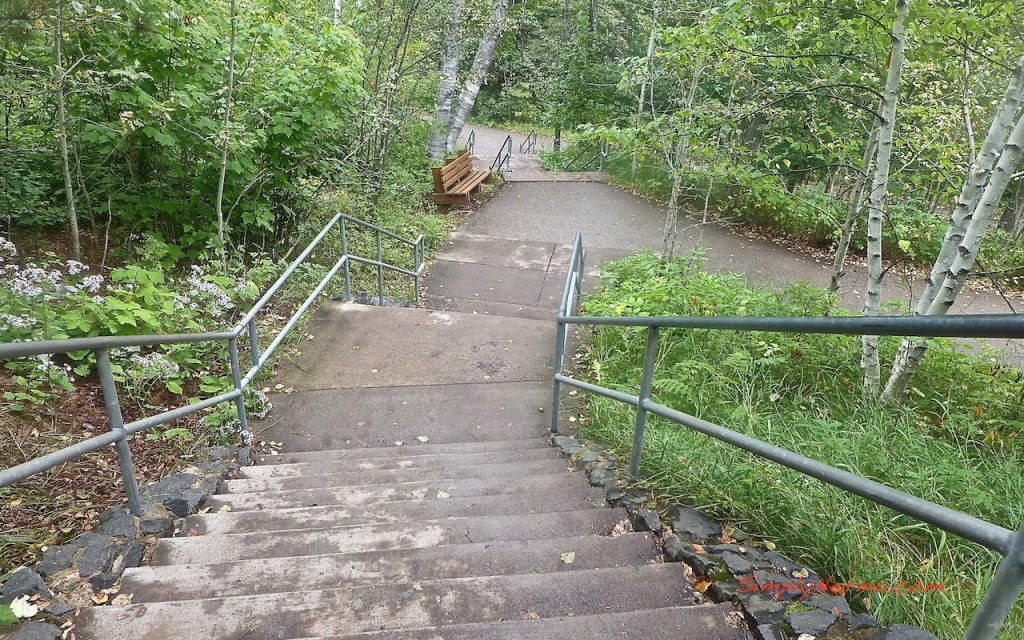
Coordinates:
955 442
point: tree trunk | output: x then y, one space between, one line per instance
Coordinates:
226 142
671 231
336 18
643 86
853 211
879 190
62 130
481 63
967 221
437 144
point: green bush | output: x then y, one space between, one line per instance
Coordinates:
959 430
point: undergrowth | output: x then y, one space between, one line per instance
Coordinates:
957 440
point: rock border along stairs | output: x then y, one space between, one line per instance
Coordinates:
461 537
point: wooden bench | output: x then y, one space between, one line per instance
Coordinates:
456 179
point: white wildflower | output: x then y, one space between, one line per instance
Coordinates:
7 249
8 321
92 284
75 267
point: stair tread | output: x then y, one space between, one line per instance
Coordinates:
277 544
367 494
411 461
279 575
428 603
706 622
406 449
573 496
353 478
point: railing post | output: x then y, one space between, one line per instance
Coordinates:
418 250
380 269
124 454
344 252
1002 594
236 378
254 347
560 339
645 395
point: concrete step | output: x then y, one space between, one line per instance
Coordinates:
348 610
488 308
332 419
407 450
375 493
390 566
342 463
569 497
353 478
214 549
706 622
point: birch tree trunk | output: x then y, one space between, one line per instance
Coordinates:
481 63
879 190
437 143
59 78
912 351
336 18
853 211
974 189
643 85
225 141
671 231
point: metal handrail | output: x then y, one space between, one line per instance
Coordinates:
599 156
1008 583
504 156
471 141
530 144
101 345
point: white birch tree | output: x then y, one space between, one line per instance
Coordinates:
225 141
437 144
854 209
481 64
985 183
59 79
879 191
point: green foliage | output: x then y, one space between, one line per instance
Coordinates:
961 428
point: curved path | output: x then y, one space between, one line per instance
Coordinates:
615 222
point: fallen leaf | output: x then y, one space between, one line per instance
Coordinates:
279 386
357 604
701 583
698 548
100 598
22 608
569 558
769 546
802 573
532 615
122 600
225 508
423 439
417 586
443 494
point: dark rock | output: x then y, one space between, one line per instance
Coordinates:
646 520
814 622
614 495
131 555
725 590
905 632
110 513
58 609
94 553
635 498
777 586
159 527
102 581
762 610
244 457
694 524
209 484
568 445
23 582
36 631
176 493
602 476
739 565
780 562
740 536
121 525
678 551
590 457
835 604
862 621
719 549
771 632
221 454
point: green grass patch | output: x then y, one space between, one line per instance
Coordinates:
955 442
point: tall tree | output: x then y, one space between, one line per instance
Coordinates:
437 144
59 79
481 63
225 140
879 191
983 187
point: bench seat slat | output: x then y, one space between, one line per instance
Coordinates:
472 181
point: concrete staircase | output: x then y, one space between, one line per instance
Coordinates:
419 497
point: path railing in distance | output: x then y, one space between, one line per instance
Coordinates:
1008 583
504 157
101 346
530 144
586 157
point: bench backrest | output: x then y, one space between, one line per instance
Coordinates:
454 170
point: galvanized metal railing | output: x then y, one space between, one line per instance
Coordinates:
530 144
504 157
101 346
584 154
1008 583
